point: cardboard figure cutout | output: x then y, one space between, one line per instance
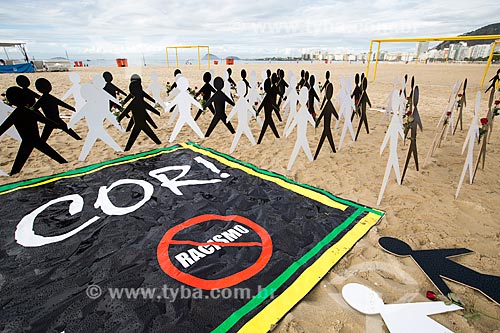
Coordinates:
229 78
412 150
302 80
399 318
328 111
346 109
5 110
312 95
138 81
387 110
50 107
95 115
172 92
31 96
26 123
242 107
327 81
482 151
291 104
253 95
306 81
470 142
177 74
75 91
244 79
219 99
111 89
300 120
274 93
492 86
206 90
140 116
288 90
436 266
269 106
395 129
282 86
184 100
155 88
227 86
362 108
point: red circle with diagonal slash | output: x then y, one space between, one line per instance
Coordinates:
168 267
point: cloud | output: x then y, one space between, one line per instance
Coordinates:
250 28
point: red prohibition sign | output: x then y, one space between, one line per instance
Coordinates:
168 267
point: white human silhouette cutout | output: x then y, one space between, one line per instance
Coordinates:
5 110
386 115
291 103
470 142
182 101
243 108
95 114
399 318
347 107
253 95
395 129
75 91
300 120
227 86
3 173
155 88
263 76
288 90
102 98
171 97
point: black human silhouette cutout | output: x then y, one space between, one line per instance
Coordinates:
50 108
463 102
312 96
404 87
327 81
282 85
274 93
111 89
219 99
302 80
31 96
356 94
26 123
436 265
244 79
363 101
493 81
229 78
327 111
412 150
136 78
306 80
409 102
140 116
269 106
207 91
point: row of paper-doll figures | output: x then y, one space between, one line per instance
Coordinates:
94 100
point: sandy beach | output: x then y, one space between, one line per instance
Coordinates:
422 211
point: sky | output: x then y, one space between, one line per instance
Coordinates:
246 29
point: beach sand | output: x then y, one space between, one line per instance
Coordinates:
422 211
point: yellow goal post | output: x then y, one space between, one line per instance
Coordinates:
496 39
177 47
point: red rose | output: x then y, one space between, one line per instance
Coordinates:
408 98
459 95
431 295
497 102
202 94
484 121
314 115
408 113
356 101
448 113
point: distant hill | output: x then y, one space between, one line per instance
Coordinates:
212 57
492 29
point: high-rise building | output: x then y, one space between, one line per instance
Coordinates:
422 48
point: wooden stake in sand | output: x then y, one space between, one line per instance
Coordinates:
470 141
399 318
395 129
483 133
